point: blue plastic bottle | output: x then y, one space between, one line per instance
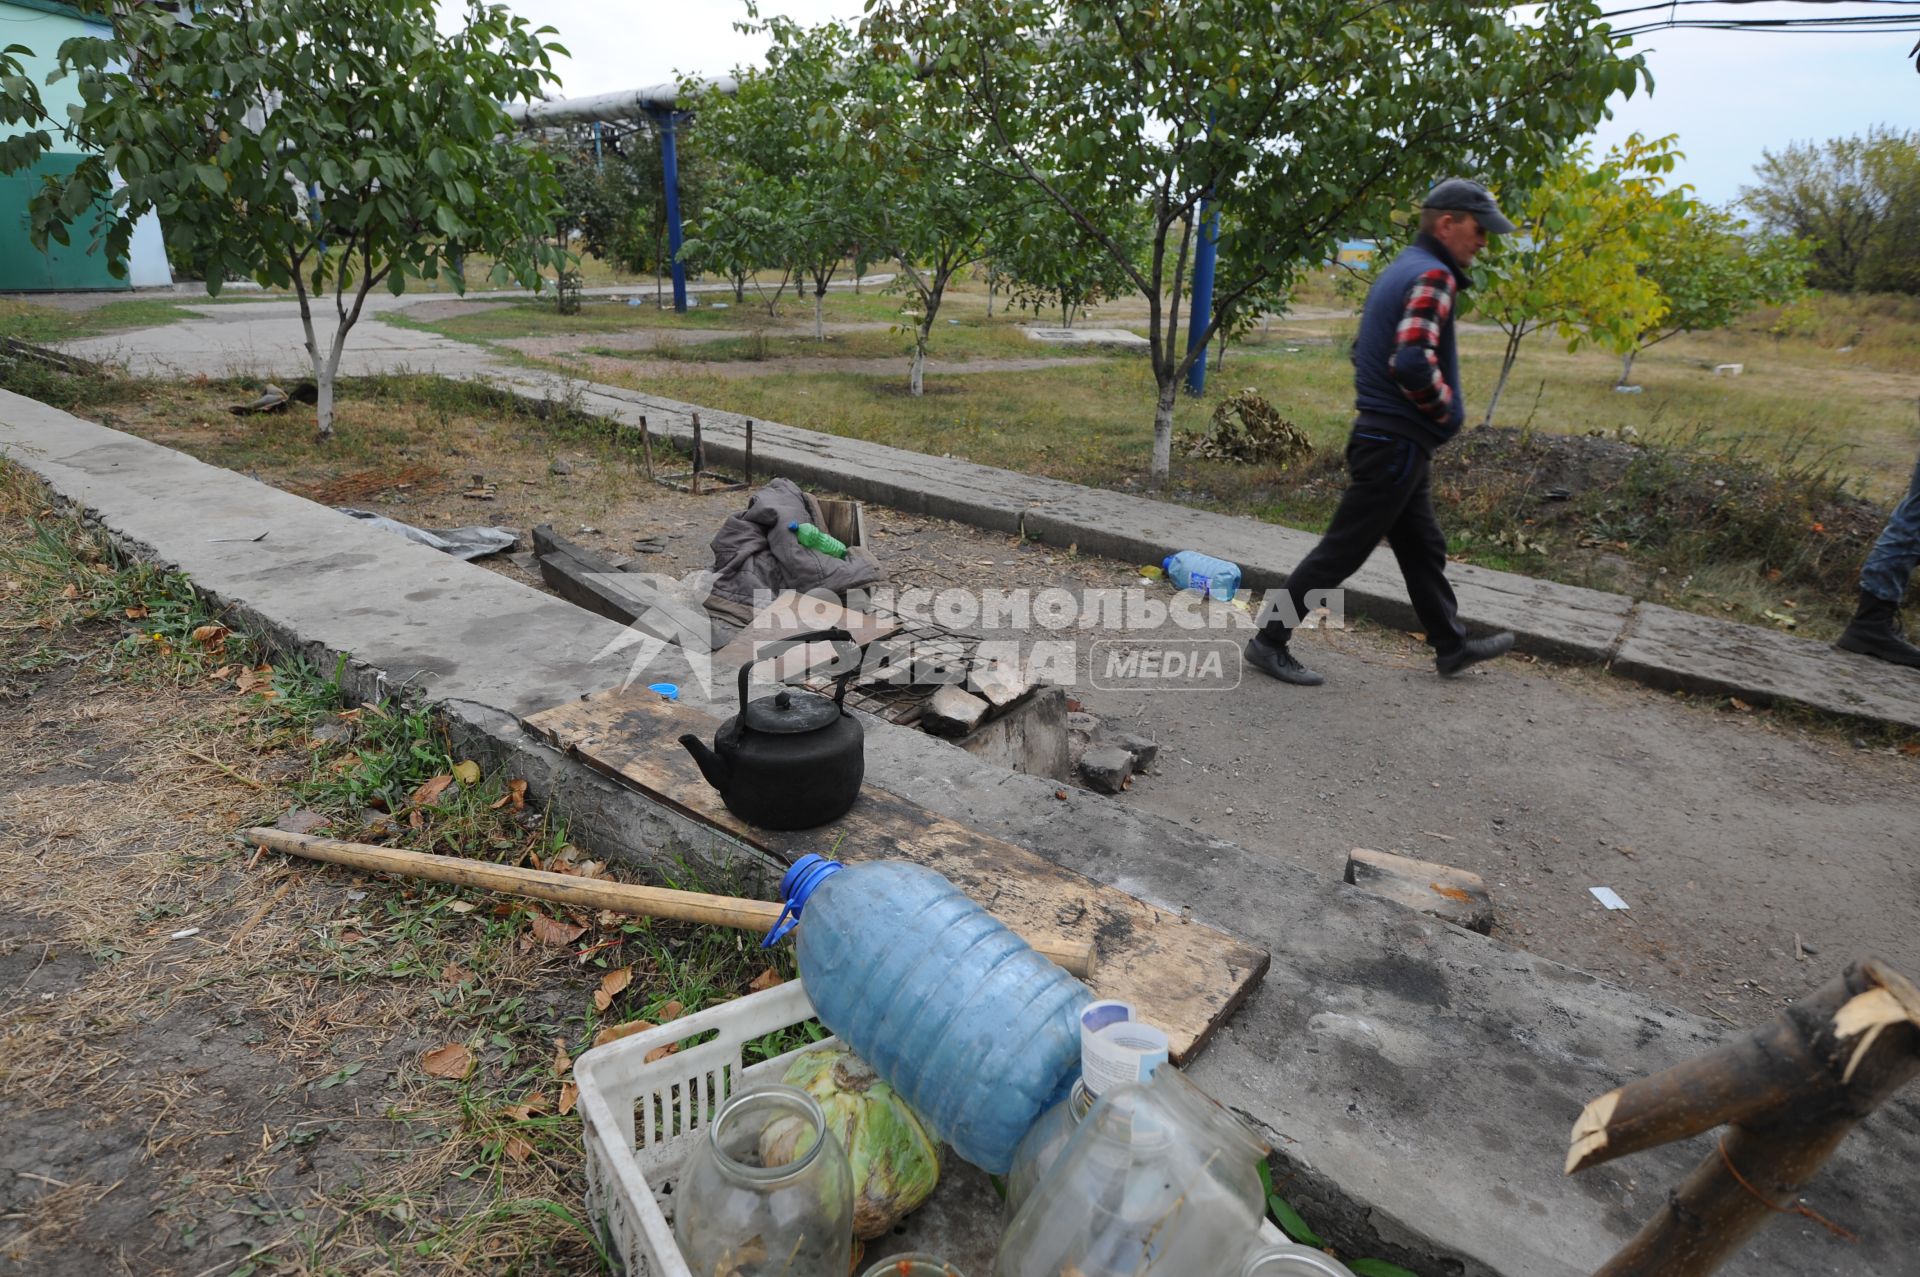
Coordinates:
1192 570
980 1034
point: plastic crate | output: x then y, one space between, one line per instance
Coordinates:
640 1120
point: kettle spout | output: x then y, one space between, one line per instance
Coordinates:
712 766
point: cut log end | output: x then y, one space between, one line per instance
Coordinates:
1590 1132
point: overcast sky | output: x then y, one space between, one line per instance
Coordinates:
1728 94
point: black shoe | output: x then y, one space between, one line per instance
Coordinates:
1278 662
1875 631
1472 652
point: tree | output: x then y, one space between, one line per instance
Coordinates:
313 144
1300 123
1857 199
1711 270
610 198
787 196
1574 265
1048 261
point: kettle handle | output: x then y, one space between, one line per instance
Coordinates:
778 646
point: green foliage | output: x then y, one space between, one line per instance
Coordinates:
23 115
1576 263
317 145
1301 123
1857 199
1049 261
1711 271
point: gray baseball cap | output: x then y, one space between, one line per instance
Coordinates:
1464 195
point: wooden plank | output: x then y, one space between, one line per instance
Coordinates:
1184 977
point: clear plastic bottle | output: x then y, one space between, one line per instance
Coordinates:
976 1031
1192 570
1158 1180
1288 1260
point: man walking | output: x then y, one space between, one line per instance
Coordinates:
1875 628
1406 376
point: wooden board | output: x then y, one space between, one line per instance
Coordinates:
1184 977
790 614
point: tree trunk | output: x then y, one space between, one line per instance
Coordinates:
739 290
1506 370
819 324
917 374
989 299
1626 368
326 376
1791 1091
1163 428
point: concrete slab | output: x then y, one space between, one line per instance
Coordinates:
1419 1081
1688 652
1086 337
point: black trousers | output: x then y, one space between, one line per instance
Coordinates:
1389 494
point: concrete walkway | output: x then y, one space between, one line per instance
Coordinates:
1646 641
1418 1081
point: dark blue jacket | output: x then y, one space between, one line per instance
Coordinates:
1388 377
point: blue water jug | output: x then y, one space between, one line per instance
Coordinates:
979 1033
1192 570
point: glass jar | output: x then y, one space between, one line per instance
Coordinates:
1042 1146
1284 1259
915 1265
767 1192
1158 1179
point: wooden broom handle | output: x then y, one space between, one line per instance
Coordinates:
586 893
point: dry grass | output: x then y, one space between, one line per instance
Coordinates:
210 1059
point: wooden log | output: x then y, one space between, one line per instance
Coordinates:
699 455
748 466
646 444
1792 1090
580 577
585 893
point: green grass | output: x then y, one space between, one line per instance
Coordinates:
31 322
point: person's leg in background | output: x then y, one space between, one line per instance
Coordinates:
1875 628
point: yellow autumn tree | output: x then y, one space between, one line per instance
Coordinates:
1575 265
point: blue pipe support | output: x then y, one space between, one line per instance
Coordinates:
1203 262
670 178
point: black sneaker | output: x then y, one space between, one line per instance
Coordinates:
1278 662
1472 652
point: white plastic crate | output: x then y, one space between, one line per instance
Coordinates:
640 1120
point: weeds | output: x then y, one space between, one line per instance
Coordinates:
327 1145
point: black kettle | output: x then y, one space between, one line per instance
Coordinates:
791 760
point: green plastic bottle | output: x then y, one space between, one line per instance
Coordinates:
814 539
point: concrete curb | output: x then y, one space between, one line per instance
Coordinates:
1417 1081
1637 639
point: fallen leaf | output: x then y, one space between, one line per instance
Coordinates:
258 680
452 1060
225 671
765 980
568 1094
453 973
460 906
467 772
430 790
1452 893
662 1052
301 820
516 795
213 637
549 932
71 592
518 1149
133 613
671 1011
614 1032
611 983
1739 704
562 1062
415 820
1911 747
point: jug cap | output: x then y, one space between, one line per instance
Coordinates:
796 885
